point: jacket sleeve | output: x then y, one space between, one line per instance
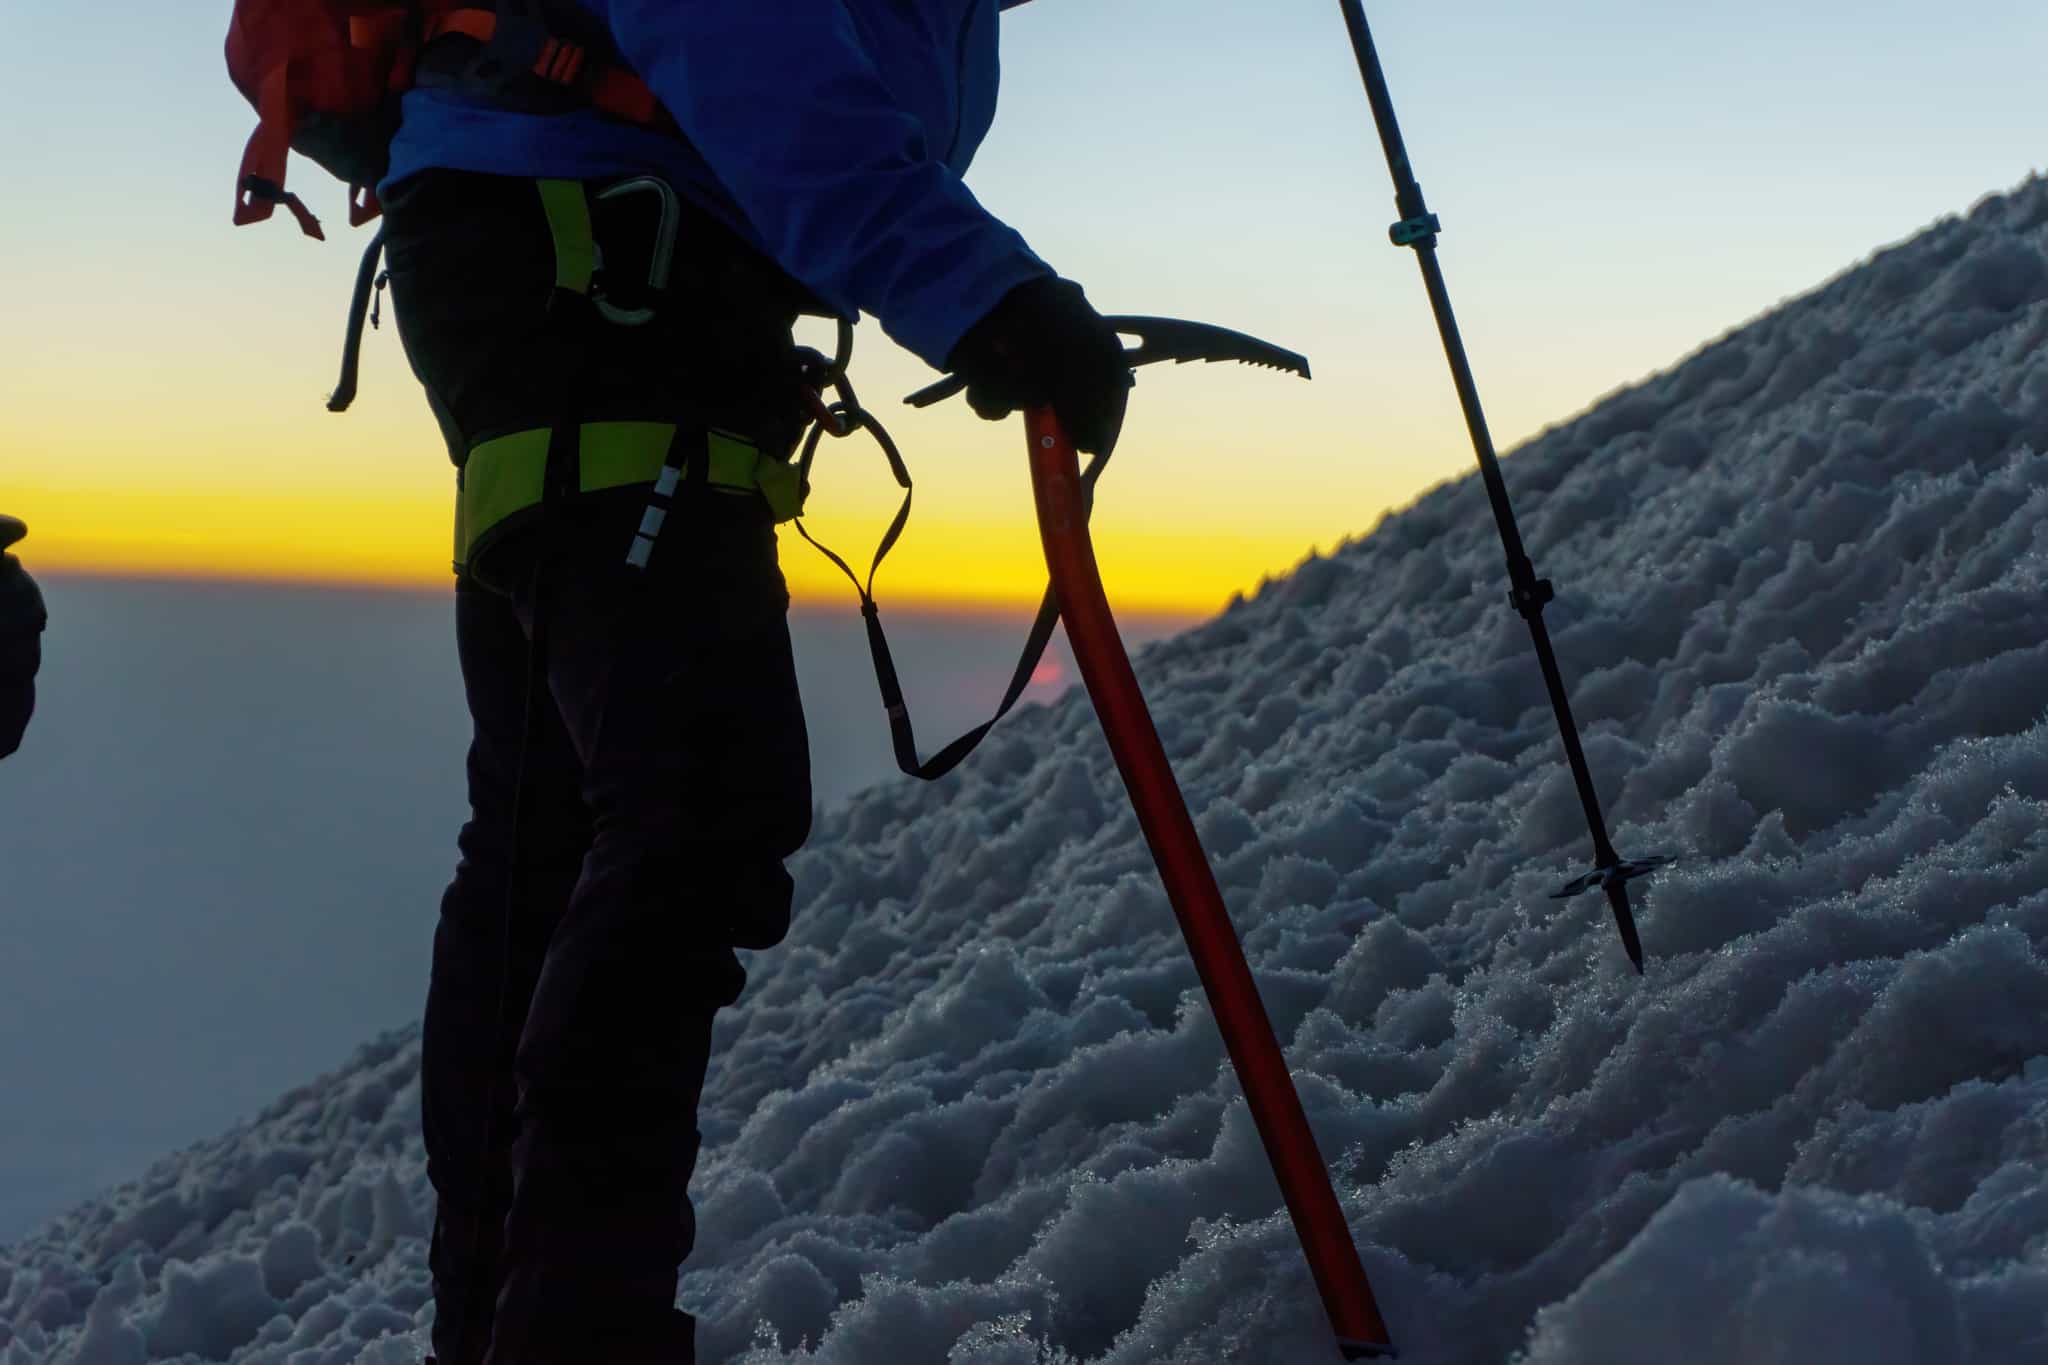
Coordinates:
836 178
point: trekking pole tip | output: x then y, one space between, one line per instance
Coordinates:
1625 921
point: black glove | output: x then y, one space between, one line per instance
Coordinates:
21 646
1044 344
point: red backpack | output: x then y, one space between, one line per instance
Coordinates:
325 77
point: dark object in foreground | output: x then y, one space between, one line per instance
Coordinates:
1528 594
22 618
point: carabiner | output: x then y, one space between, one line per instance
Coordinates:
662 260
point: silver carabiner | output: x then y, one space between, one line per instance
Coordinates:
660 262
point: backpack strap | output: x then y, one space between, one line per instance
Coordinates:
259 187
293 69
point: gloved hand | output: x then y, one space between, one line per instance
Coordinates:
21 647
1044 343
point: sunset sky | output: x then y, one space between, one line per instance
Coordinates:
1619 182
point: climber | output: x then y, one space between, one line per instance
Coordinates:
593 304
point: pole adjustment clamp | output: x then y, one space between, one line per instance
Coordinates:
1418 231
1530 599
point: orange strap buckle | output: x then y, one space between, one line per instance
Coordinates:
560 62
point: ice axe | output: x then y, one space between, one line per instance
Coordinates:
1063 495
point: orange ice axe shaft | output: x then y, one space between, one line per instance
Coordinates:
1197 902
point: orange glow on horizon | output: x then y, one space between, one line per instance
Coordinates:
1216 488
398 542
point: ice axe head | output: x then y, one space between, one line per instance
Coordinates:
1163 339
1178 341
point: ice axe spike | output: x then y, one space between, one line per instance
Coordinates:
1159 339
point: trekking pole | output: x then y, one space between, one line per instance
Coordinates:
1529 594
1191 887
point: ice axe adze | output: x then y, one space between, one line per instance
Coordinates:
1529 594
1063 495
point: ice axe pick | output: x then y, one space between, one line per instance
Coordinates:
1163 339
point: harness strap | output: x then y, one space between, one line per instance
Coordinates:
504 478
568 214
572 317
259 186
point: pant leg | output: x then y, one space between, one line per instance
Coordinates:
679 694
688 740
467 1091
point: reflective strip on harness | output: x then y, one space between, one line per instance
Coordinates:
503 476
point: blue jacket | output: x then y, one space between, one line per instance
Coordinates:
831 133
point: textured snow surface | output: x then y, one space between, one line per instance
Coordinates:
976 1109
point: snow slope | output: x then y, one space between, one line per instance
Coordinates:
975 1109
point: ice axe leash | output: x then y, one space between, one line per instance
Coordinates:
1528 594
1063 495
1158 339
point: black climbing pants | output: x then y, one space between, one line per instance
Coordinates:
627 829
